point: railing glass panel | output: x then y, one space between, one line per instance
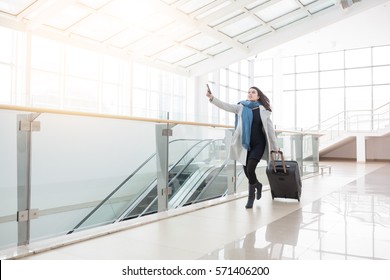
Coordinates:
195 173
8 179
301 147
179 171
77 161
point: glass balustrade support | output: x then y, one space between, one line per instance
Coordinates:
316 152
23 180
301 147
298 140
25 126
163 131
231 169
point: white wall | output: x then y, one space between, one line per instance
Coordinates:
378 148
344 151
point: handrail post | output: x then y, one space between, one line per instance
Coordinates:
25 125
163 131
231 168
299 150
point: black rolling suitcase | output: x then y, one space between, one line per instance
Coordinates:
284 177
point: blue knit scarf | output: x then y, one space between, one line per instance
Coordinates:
246 118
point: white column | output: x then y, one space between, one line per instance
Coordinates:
360 148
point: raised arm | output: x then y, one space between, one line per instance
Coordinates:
233 108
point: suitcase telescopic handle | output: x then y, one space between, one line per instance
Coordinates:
273 160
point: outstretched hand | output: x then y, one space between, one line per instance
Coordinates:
208 93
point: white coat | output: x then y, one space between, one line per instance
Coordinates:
237 151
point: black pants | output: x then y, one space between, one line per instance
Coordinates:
252 160
250 170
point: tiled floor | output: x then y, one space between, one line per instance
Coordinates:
342 215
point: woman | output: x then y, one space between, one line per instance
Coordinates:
254 136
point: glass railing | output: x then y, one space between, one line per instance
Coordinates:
180 179
64 171
195 176
301 147
139 189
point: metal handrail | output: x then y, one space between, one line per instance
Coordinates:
346 120
343 114
105 116
120 117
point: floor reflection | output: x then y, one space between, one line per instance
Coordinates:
270 242
353 223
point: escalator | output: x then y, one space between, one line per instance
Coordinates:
211 184
187 176
197 174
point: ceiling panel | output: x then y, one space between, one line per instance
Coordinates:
67 17
94 4
211 9
189 37
253 4
240 26
176 54
277 10
258 32
148 46
307 2
201 42
15 7
289 19
191 6
226 17
131 11
191 60
127 37
179 32
318 7
218 49
98 27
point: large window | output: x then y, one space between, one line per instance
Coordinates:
332 104
36 71
307 108
5 83
263 76
230 84
6 65
325 87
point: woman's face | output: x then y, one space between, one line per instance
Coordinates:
252 95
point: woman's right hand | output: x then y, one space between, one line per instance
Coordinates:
209 94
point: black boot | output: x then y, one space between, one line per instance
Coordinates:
259 188
251 196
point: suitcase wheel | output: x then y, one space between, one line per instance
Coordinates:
272 194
